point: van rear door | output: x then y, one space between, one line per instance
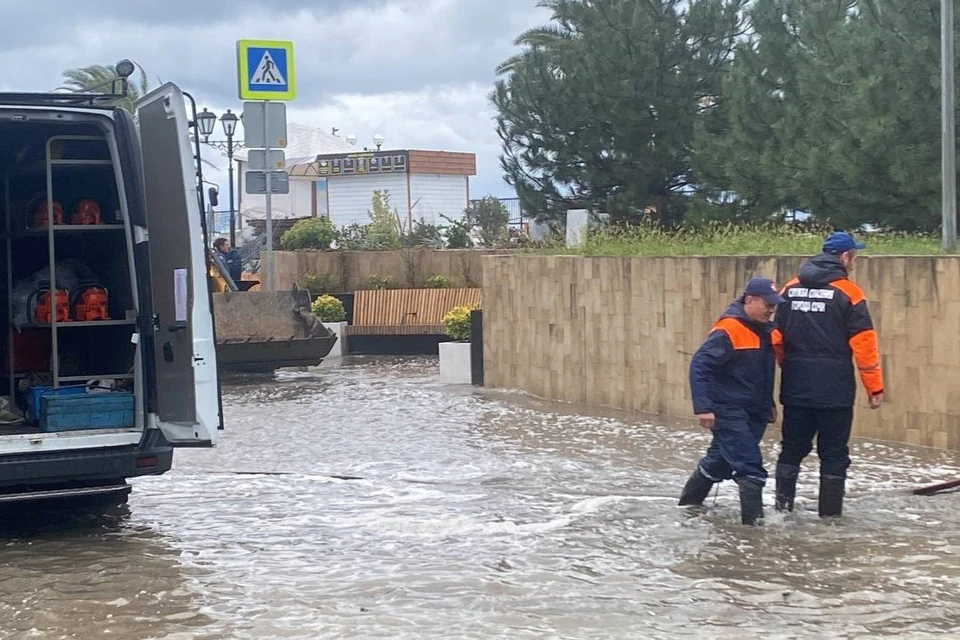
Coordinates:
187 390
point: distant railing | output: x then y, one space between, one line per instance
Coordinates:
517 217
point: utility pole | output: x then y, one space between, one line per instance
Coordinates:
948 135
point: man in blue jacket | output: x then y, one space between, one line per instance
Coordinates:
731 380
230 257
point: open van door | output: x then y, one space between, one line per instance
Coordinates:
187 394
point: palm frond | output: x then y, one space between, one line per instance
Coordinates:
100 76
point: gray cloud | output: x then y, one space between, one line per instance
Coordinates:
403 63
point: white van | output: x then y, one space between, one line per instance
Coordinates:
110 363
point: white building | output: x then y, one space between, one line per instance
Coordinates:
331 178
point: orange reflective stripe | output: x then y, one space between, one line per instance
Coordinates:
776 339
849 289
740 336
866 353
789 284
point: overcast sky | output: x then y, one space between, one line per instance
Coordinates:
416 71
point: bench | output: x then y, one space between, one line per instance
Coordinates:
395 312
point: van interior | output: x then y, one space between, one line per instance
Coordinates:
68 360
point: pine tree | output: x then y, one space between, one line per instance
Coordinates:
599 109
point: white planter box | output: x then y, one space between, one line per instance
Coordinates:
455 363
339 329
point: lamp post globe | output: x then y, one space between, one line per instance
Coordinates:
229 121
206 120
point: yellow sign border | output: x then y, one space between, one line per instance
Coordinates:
243 71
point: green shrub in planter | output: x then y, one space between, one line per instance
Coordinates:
311 233
379 282
438 282
317 284
329 309
457 323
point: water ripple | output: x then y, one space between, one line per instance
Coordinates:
478 514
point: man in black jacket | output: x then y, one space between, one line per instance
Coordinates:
825 325
731 381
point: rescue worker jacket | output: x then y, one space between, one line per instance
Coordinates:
825 326
736 365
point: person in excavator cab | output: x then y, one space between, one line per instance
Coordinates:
732 379
230 258
826 325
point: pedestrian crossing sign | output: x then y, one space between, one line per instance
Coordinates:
265 70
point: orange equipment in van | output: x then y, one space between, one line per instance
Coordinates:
90 303
43 310
41 217
87 211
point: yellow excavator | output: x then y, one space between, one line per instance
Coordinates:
260 331
220 280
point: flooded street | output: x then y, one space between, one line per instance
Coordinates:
477 514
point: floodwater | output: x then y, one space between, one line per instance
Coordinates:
476 514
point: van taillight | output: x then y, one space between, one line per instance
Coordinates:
147 461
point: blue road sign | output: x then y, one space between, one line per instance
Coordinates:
265 70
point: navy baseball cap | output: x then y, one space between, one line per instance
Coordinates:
840 242
763 288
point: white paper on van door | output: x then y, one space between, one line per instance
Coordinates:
180 294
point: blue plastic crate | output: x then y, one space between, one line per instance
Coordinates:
35 393
71 412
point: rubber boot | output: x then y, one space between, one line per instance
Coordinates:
751 501
831 495
787 475
696 490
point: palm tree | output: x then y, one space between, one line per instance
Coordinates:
98 77
555 39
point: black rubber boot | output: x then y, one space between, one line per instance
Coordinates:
751 501
696 490
787 475
832 489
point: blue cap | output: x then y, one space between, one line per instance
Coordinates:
840 242
763 288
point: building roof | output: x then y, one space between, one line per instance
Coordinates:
415 161
304 143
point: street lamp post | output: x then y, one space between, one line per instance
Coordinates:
229 122
206 121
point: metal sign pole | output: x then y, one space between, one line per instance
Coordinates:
266 73
268 253
948 124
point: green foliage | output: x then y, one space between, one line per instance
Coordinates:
438 282
491 216
456 323
353 237
100 76
310 233
732 110
834 112
726 239
379 282
318 284
598 110
423 235
329 309
458 233
384 230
